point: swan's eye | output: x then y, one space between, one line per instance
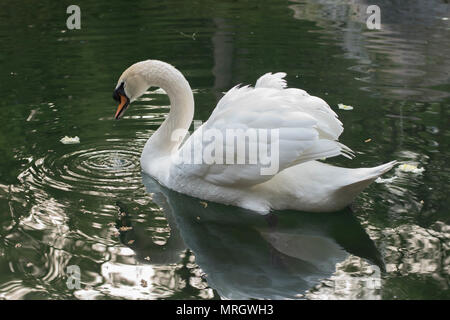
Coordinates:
118 92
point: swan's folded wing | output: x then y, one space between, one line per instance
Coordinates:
278 128
272 80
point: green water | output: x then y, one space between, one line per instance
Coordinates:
88 205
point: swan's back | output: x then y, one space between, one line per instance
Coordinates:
306 129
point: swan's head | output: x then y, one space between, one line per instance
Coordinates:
131 85
138 78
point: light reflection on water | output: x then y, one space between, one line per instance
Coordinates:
64 205
408 34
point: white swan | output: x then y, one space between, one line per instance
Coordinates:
307 127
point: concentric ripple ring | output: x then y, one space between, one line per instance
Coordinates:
97 171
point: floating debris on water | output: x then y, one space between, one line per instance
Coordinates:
387 180
147 258
410 168
70 140
367 140
32 113
125 228
204 204
131 242
344 106
189 36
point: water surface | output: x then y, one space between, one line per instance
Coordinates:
88 204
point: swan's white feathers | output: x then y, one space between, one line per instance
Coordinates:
308 129
272 80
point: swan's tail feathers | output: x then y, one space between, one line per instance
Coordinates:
365 177
378 171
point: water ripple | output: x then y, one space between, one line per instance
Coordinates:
96 171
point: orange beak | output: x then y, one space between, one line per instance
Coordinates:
122 107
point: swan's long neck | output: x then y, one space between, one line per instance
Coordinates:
165 76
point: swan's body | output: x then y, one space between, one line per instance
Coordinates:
308 130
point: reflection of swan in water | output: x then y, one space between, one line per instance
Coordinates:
246 255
